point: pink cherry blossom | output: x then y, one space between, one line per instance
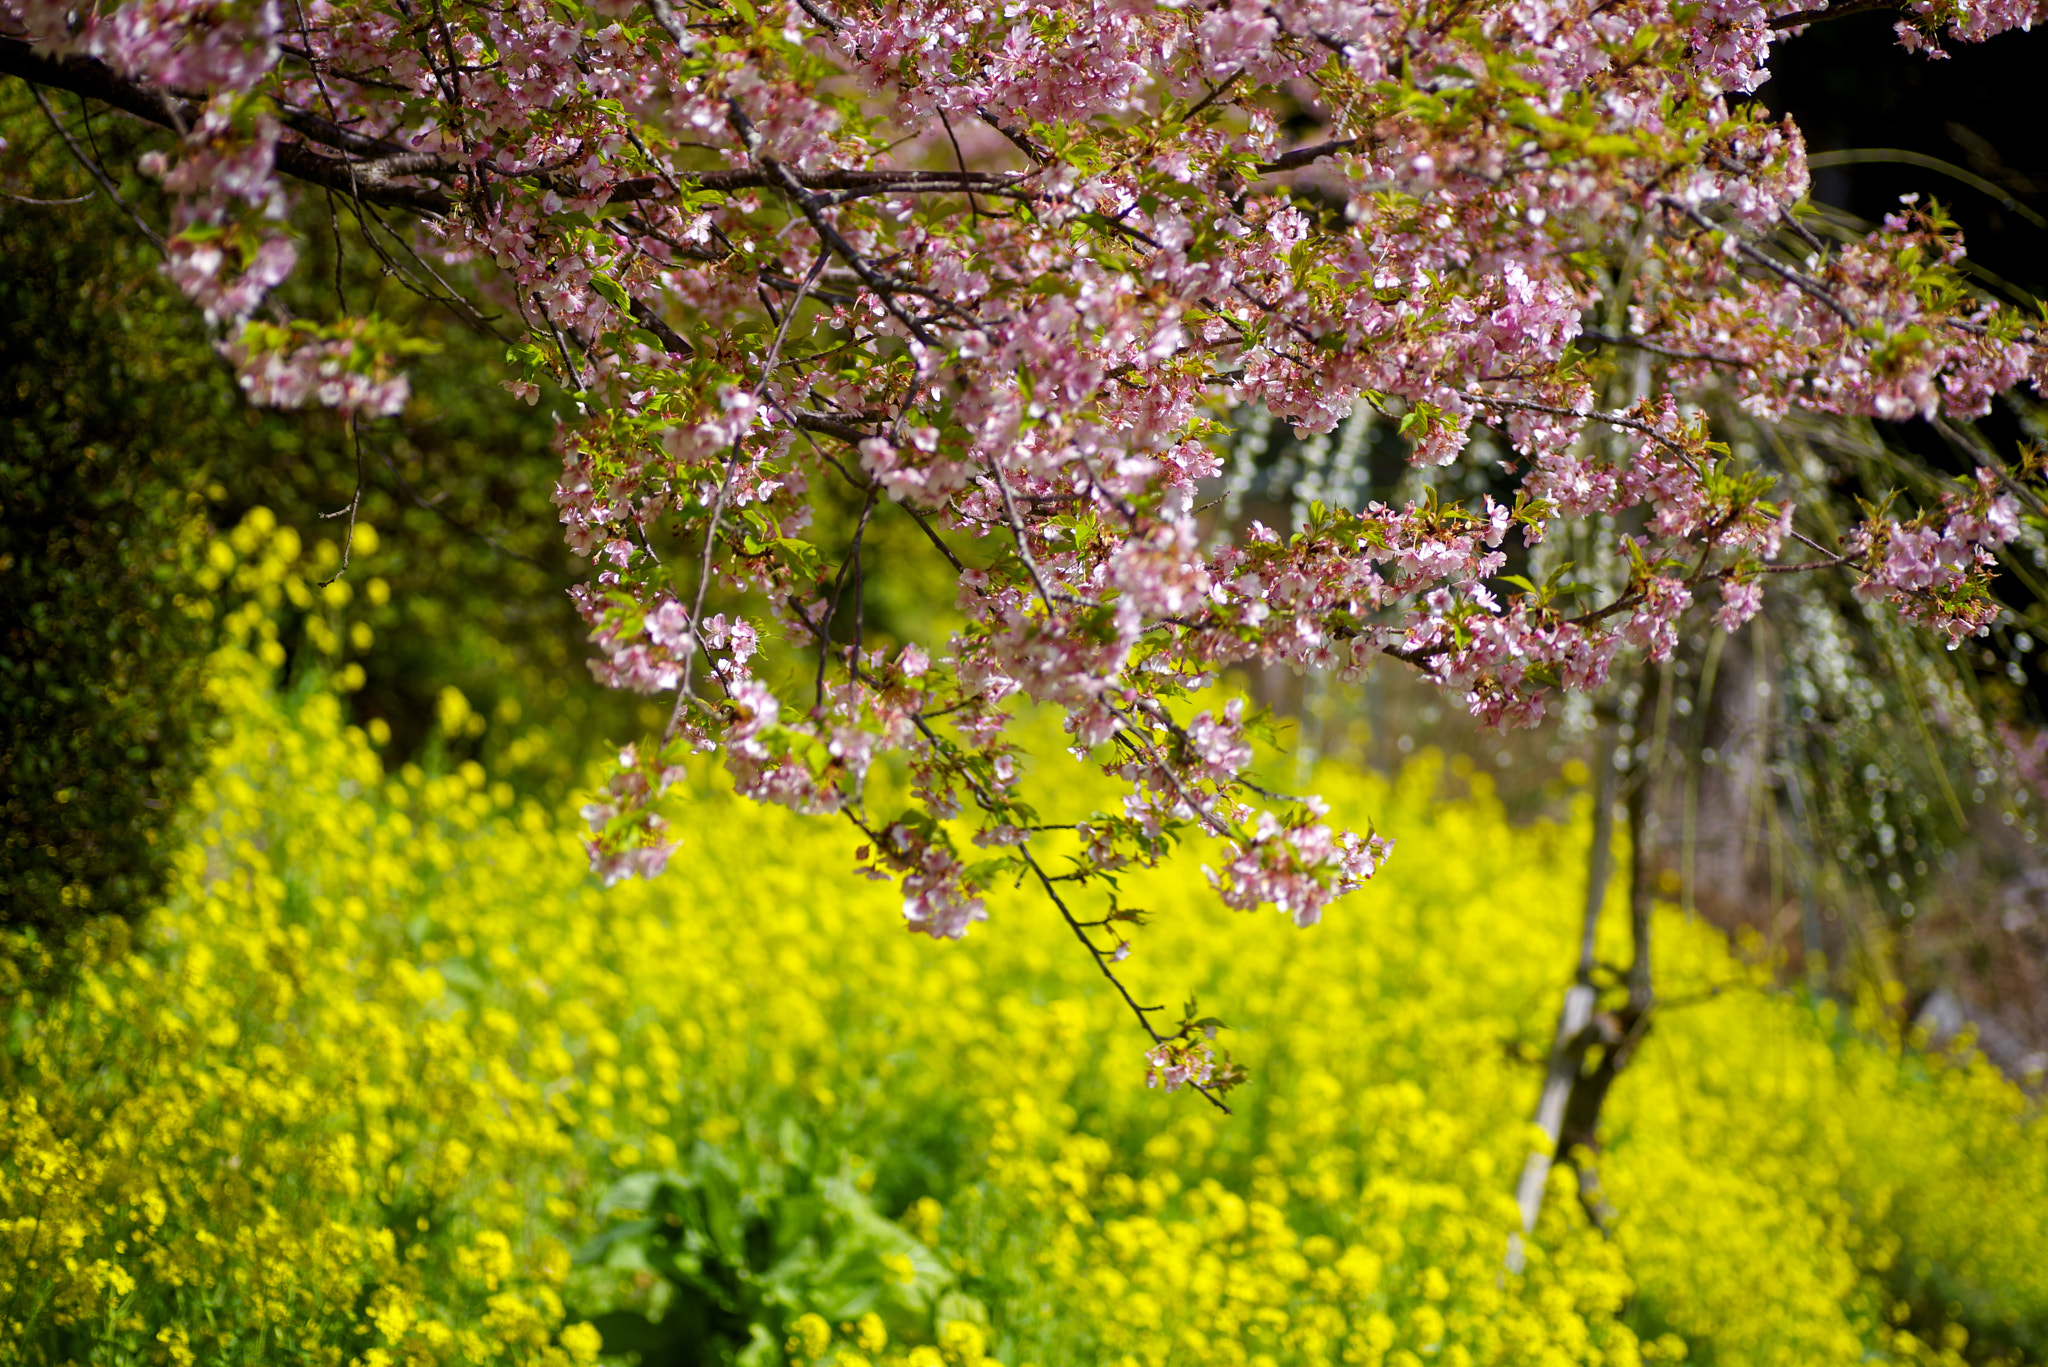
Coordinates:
993 282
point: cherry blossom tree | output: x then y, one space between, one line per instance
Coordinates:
1004 271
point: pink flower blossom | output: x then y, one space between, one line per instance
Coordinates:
755 300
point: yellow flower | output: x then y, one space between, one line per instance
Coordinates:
963 1343
582 1342
370 1070
810 1337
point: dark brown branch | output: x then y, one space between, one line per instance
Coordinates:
90 79
1215 94
646 317
369 180
1038 155
1621 420
328 133
1645 344
665 15
374 162
825 425
321 68
1824 13
642 188
1797 279
370 166
1143 1013
824 20
1303 156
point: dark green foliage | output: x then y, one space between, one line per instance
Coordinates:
124 442
104 379
746 1242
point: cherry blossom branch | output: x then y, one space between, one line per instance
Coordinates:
885 290
665 14
1306 156
1017 533
823 20
1136 736
1037 155
448 296
849 183
1216 93
825 425
824 629
371 168
373 177
1620 420
1797 279
1645 344
1984 459
1072 324
1143 1013
718 504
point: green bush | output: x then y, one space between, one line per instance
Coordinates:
104 382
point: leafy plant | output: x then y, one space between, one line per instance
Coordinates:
746 1241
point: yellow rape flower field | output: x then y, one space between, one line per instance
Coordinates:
390 1079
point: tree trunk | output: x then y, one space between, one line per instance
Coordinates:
1574 1094
1614 1033
1567 1053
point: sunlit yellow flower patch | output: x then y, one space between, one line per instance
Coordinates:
389 1058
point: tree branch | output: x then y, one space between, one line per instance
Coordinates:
1303 156
368 179
1823 13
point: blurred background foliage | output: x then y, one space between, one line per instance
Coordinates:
108 406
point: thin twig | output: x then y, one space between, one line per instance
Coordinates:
355 502
1621 420
1645 344
973 208
1143 1013
1822 13
1016 524
675 716
852 562
1215 823
1963 442
1797 279
92 169
51 203
1216 93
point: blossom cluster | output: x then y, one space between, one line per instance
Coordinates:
994 272
1931 567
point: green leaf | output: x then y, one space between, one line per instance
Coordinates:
614 293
